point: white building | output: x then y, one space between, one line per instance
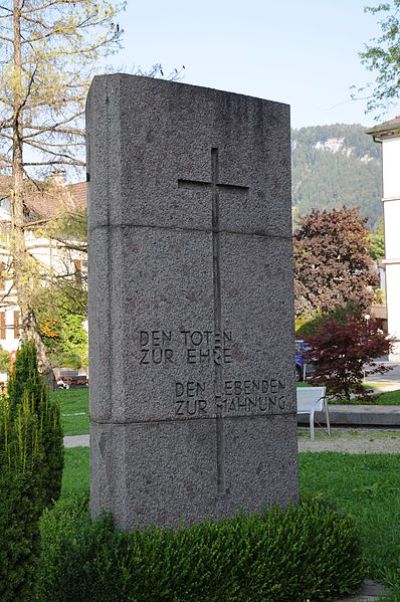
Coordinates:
52 254
388 134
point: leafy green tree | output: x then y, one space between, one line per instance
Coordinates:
69 347
61 314
74 340
377 242
382 57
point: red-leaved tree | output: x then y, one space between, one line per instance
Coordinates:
342 350
332 265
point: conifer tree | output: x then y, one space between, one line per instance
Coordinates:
27 386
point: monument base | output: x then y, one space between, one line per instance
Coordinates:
167 472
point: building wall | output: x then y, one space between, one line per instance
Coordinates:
55 259
391 200
390 167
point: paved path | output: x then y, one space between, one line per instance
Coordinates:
358 415
76 441
370 592
392 376
351 441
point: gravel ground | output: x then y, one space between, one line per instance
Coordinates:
370 592
346 440
351 441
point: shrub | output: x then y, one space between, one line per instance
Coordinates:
31 462
306 552
307 324
21 502
25 380
341 348
25 377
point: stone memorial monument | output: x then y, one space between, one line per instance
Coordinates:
192 394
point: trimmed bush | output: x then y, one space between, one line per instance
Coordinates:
20 499
307 552
25 381
31 462
25 377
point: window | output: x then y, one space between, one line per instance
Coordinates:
2 325
16 325
78 271
2 275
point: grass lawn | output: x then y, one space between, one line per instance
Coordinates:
366 486
389 398
76 471
74 410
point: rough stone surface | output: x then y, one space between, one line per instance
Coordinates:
192 396
177 461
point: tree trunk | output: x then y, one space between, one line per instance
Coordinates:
17 237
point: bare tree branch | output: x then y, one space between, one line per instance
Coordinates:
49 48
75 162
53 3
49 152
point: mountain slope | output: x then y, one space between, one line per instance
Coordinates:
336 165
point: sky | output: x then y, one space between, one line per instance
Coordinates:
304 53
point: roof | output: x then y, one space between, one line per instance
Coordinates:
44 200
78 191
387 129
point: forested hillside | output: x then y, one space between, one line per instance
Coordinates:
336 165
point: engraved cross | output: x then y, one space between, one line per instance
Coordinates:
216 187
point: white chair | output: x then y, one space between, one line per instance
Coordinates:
311 400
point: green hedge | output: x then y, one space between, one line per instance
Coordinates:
308 552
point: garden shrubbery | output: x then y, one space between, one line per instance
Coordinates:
20 498
25 380
342 348
31 462
307 552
